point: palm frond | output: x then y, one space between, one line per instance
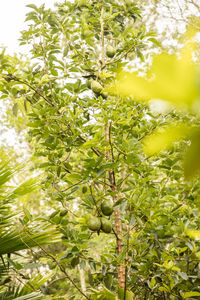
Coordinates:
13 240
16 236
34 283
6 172
32 296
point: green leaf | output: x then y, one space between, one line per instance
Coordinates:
192 157
173 80
33 6
129 294
189 294
154 41
183 275
15 109
195 234
27 213
104 294
32 296
162 138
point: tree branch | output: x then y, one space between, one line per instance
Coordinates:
119 57
59 265
102 40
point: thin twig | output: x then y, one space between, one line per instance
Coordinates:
81 181
126 265
32 88
58 264
119 57
102 40
93 198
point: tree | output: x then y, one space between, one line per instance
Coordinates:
89 144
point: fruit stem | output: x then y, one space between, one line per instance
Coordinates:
102 40
93 198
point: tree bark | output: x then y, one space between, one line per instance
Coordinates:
82 279
118 223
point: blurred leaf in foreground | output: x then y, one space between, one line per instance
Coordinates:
192 156
195 234
173 79
162 138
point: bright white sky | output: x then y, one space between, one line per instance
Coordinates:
12 16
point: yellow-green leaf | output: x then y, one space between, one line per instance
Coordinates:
162 138
195 234
191 160
189 294
173 79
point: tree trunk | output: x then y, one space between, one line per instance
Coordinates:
82 279
118 223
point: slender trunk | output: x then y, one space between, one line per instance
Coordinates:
110 155
118 223
82 279
119 246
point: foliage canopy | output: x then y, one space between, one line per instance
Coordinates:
89 145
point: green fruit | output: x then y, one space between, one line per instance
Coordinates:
84 189
104 95
63 212
96 87
94 223
106 225
75 261
56 219
54 214
110 51
107 207
88 83
52 265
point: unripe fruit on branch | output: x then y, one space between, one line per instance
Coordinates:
63 212
96 87
110 51
54 213
106 225
107 207
104 95
94 223
88 83
84 189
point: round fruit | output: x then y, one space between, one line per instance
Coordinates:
110 51
107 207
84 189
54 213
104 95
75 261
106 225
96 87
94 223
88 83
63 212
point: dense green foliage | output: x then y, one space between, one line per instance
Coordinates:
89 145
